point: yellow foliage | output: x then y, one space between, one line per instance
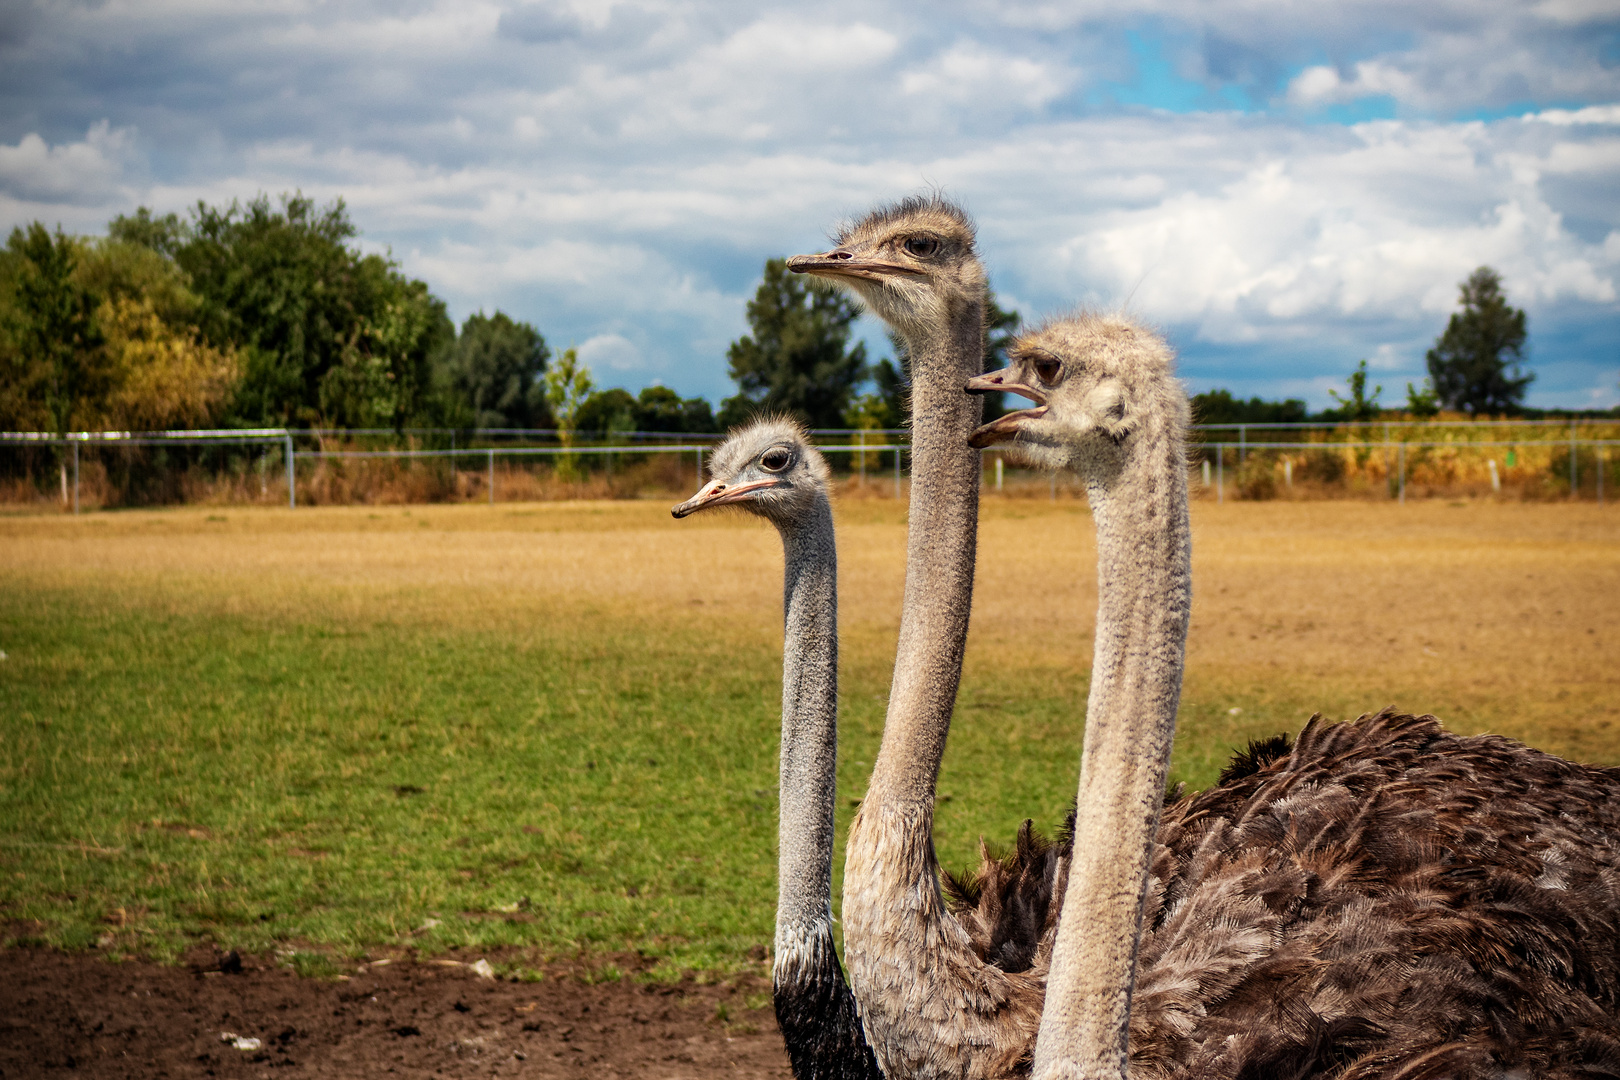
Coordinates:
165 377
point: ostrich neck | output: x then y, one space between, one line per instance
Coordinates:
940 546
910 965
809 729
815 1010
1144 600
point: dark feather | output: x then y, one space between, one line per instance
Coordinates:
1377 899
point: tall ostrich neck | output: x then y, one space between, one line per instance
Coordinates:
1144 598
809 731
906 954
940 547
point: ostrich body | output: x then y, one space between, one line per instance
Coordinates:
1381 899
933 1008
769 468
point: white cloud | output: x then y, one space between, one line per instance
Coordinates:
84 173
617 173
613 352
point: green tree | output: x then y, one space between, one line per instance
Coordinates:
326 333
658 408
1220 407
58 368
1474 365
1422 403
797 360
496 369
606 413
568 386
1359 405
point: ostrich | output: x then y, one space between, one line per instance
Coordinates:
1380 899
769 468
932 1005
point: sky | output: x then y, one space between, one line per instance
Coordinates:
1283 188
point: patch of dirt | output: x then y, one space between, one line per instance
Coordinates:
76 1014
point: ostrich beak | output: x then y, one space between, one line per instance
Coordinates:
1004 428
840 263
718 493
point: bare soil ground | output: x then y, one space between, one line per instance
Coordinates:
64 1014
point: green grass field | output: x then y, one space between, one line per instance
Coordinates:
553 726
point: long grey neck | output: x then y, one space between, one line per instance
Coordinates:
809 730
940 549
1144 574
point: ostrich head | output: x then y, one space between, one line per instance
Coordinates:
913 263
768 468
1099 383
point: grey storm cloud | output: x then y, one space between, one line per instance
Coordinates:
1286 188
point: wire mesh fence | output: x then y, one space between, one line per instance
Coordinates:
1560 459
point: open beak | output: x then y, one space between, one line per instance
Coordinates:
1004 428
837 264
715 493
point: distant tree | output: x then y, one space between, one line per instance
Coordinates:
797 360
1422 403
1474 365
1220 407
890 405
568 385
58 367
1359 405
164 235
101 333
326 333
496 370
658 408
605 413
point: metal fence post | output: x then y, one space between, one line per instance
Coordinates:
897 453
700 466
1574 477
1220 472
998 472
1597 452
861 435
75 477
1243 443
492 476
292 477
1403 473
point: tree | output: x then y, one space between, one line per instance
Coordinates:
326 333
797 360
496 369
568 385
658 408
1220 407
1422 403
59 365
606 413
1470 363
1358 406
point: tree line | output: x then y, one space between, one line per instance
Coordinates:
268 315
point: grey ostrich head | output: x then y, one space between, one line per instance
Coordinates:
768 468
1101 385
913 263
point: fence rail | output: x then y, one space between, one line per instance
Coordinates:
861 444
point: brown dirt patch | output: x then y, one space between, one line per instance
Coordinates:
77 1014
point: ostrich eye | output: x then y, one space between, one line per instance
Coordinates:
1047 368
921 246
775 459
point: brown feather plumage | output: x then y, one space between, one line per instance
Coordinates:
1381 899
